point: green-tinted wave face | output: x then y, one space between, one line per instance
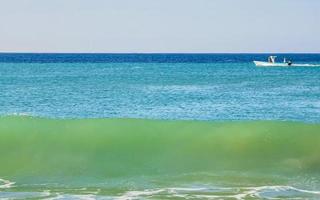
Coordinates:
110 157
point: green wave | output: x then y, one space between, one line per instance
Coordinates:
38 150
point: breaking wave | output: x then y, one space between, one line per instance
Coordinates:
134 159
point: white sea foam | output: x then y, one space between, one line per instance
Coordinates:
239 193
4 184
130 195
70 196
236 193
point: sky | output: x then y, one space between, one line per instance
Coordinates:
159 26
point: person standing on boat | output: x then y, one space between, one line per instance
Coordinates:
271 59
287 61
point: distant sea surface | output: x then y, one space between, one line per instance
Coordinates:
158 126
159 86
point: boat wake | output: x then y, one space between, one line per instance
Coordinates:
305 65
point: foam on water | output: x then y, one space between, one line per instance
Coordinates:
239 193
235 193
6 184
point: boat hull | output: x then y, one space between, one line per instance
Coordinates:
268 64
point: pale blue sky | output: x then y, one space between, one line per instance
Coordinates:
160 26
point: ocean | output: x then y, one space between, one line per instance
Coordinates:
158 126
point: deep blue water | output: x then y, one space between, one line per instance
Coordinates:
159 86
147 58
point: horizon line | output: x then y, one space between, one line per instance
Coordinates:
159 53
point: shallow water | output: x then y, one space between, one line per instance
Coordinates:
134 159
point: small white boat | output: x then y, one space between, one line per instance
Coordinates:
267 64
272 63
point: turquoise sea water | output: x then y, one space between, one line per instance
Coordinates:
227 88
109 126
